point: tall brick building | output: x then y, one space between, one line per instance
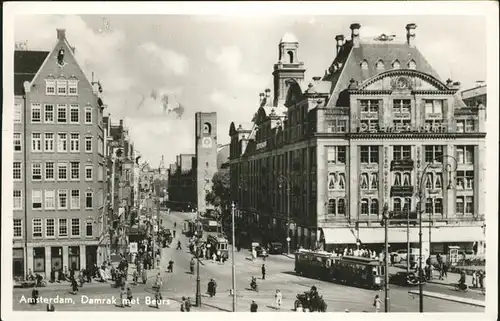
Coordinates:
323 158
58 161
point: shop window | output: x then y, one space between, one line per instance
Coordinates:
39 259
74 257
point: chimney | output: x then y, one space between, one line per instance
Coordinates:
61 34
410 34
355 34
340 42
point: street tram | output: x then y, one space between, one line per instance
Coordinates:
210 227
359 271
314 264
189 228
219 245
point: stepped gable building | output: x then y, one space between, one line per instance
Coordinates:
323 159
58 169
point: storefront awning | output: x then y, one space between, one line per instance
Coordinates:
437 235
338 236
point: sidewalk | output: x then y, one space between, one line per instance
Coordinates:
451 298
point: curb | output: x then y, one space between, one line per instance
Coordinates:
451 298
453 284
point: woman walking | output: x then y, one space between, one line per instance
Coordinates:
377 303
278 298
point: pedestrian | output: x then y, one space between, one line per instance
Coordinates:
129 297
474 279
278 298
123 295
50 307
183 304
263 271
174 233
188 305
253 306
377 303
214 257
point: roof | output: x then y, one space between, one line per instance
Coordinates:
372 52
474 92
26 65
288 37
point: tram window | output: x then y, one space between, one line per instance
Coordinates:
374 271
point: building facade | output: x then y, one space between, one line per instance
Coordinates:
182 183
58 163
325 160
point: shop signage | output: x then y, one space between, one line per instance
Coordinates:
437 127
261 145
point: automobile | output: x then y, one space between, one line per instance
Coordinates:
403 254
404 279
261 251
275 248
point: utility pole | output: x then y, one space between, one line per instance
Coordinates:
386 254
198 286
408 235
232 259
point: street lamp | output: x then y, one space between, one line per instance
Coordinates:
232 258
450 168
198 286
385 218
283 180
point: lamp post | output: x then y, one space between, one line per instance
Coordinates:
198 286
283 180
232 258
450 168
385 218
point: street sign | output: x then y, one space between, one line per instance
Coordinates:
288 239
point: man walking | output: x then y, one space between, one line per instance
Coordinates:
253 307
263 271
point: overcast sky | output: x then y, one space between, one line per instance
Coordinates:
221 64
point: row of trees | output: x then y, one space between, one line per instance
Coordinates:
220 195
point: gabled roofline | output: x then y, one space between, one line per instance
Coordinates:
340 77
433 80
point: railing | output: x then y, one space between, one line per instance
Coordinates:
401 190
402 164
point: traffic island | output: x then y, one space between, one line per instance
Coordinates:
451 298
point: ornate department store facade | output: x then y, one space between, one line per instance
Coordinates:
326 158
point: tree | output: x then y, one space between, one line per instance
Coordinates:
220 195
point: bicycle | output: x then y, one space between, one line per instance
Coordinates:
461 287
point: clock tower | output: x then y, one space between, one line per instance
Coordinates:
206 156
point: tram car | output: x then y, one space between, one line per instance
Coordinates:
219 244
315 264
358 271
189 228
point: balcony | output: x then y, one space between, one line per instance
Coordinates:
402 165
401 217
401 191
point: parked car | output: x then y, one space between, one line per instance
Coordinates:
261 251
404 279
275 248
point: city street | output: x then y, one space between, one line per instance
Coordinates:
279 275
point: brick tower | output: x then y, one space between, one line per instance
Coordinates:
206 155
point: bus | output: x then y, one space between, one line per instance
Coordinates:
360 271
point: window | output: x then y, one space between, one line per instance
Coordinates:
49 171
18 114
400 152
407 204
49 142
369 181
434 154
341 181
401 106
75 170
50 229
61 87
88 115
75 199
380 65
62 171
36 199
364 181
74 143
49 113
374 207
75 227
341 206
100 146
36 142
466 126
364 206
89 172
336 155
341 125
63 227
397 179
438 206
62 112
369 106
407 179
465 179
396 64
37 227
464 205
336 181
50 199
396 205
369 154
374 181
62 142
433 106
18 228
62 196
36 171
364 65
89 200
465 154
401 124
88 229
88 144
74 114
17 172
412 64
73 87
36 113
18 200
17 142
50 87
469 205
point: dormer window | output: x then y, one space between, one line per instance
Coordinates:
380 65
364 65
412 64
396 64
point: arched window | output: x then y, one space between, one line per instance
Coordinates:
429 180
396 64
207 128
428 206
290 57
374 181
438 184
412 64
341 206
331 206
407 206
332 181
406 179
364 65
374 207
341 181
397 179
396 205
380 65
364 181
364 206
